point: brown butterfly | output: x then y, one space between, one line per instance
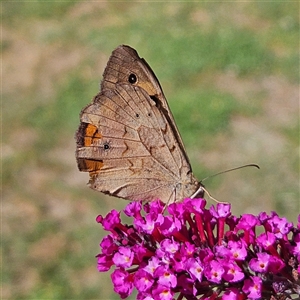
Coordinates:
128 140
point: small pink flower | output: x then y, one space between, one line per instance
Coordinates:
123 258
214 271
237 249
195 268
143 281
161 292
252 287
123 282
233 273
261 263
165 276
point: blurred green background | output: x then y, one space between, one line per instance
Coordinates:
231 74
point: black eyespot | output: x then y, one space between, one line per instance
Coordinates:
132 78
106 146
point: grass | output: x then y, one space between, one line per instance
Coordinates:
219 65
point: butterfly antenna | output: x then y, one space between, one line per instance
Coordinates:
202 188
229 170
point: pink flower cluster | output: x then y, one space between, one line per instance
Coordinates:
198 253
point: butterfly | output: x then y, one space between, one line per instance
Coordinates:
128 140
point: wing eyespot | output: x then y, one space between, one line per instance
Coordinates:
106 146
132 78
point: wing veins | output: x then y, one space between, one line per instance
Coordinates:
160 129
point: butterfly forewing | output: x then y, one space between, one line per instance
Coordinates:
125 62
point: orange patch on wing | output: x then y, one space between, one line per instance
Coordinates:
90 165
91 135
147 87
